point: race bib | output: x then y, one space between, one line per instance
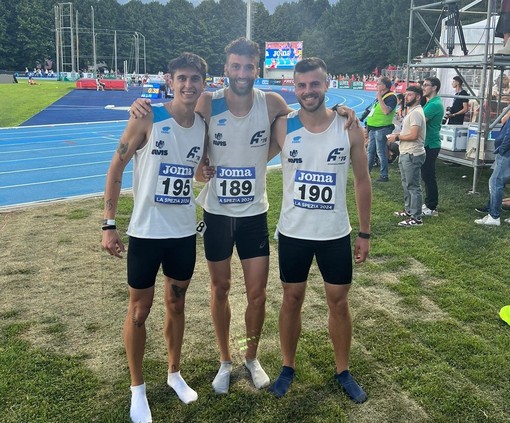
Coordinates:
235 184
314 190
174 184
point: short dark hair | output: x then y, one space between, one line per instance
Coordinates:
188 61
386 81
243 47
415 89
308 64
435 82
458 79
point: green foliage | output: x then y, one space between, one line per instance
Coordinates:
351 35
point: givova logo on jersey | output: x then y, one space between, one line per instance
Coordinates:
218 140
158 151
337 156
259 139
294 157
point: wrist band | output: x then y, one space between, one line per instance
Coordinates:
107 222
397 138
364 235
108 227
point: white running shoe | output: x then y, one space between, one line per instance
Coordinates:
488 220
507 220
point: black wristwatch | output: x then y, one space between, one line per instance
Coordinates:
397 138
364 235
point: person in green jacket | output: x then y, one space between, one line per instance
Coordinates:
379 125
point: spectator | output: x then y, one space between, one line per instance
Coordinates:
100 86
500 176
379 125
434 112
503 27
460 106
412 157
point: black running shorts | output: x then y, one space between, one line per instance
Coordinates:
334 258
176 255
249 234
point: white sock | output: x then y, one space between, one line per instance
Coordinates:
258 375
139 411
221 382
181 388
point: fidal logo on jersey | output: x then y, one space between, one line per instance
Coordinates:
222 122
294 157
258 139
158 151
165 130
218 140
296 140
336 156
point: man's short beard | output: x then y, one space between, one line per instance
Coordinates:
244 91
311 110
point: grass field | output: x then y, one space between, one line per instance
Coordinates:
21 101
428 345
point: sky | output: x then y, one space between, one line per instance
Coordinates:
270 4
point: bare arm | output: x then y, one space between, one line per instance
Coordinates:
141 107
135 135
276 106
411 136
352 119
363 192
205 172
278 132
465 108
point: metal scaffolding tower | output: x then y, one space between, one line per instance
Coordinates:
485 64
64 37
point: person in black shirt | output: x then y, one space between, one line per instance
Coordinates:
460 105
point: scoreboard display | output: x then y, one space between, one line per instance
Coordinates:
283 54
151 90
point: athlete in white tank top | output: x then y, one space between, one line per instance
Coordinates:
238 148
315 168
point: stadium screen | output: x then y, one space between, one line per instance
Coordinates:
283 54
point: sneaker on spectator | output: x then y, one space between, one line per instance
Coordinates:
507 220
483 209
425 211
411 222
401 213
382 179
488 220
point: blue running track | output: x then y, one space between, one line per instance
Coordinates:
47 159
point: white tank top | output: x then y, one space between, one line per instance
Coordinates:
315 168
164 204
238 148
